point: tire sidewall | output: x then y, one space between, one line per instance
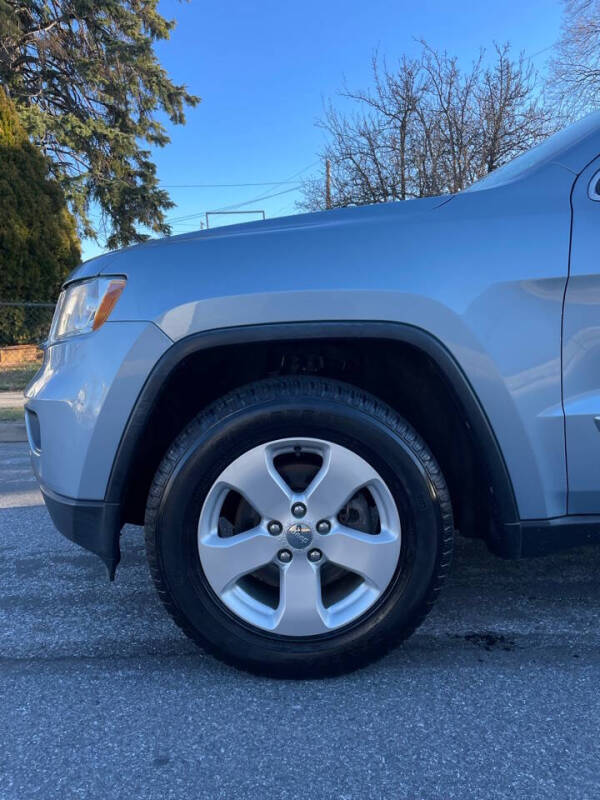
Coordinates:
210 447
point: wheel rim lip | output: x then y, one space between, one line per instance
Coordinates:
339 614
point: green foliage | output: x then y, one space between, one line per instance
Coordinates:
88 87
38 237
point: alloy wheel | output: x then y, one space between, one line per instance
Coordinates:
299 537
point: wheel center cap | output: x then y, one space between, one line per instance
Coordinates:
299 535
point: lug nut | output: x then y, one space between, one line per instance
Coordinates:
274 527
314 555
285 556
324 526
298 510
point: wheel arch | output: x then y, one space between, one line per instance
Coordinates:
505 536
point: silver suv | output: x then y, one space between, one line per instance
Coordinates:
302 411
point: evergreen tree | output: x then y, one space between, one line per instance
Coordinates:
88 86
38 238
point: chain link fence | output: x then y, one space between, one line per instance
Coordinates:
23 326
24 323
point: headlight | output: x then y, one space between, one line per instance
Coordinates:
85 306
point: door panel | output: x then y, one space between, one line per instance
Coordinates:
581 348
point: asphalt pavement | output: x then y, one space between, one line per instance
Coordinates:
101 696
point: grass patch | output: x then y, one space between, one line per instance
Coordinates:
12 415
16 378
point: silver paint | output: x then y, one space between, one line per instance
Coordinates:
485 272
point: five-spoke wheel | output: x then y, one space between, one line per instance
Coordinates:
298 527
343 518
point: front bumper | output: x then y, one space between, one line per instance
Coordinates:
94 525
77 408
82 398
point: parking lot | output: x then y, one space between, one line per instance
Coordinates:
496 696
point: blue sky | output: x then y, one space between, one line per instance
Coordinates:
264 69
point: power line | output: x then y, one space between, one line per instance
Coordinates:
221 185
234 207
256 199
304 169
543 50
251 201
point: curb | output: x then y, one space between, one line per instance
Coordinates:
12 432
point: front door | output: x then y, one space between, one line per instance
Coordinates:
581 347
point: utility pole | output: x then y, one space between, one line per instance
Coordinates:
327 183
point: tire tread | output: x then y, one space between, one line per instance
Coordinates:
294 387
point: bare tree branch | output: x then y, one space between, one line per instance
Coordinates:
575 68
427 127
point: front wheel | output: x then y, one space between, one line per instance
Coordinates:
298 527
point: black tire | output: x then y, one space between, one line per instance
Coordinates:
279 408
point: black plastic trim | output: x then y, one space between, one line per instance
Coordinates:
539 537
505 505
95 525
92 524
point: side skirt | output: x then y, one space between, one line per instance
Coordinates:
540 537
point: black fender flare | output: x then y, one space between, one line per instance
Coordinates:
489 451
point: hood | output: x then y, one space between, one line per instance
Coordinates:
117 261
